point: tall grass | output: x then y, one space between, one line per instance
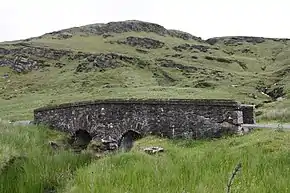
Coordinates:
28 164
274 115
193 167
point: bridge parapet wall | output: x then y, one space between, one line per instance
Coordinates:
199 118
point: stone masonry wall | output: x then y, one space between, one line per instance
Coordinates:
248 114
171 118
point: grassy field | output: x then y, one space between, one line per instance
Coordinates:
185 166
188 166
225 71
28 163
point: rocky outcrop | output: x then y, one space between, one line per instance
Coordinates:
6 62
227 60
4 51
20 60
147 43
40 52
191 47
126 26
103 61
24 64
237 40
274 91
64 35
183 35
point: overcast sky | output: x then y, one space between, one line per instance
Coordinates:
204 18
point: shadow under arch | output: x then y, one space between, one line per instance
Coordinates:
80 139
127 139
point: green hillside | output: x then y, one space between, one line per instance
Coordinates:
135 59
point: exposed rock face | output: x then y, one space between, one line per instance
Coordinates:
147 43
20 60
41 52
4 51
6 62
191 47
236 40
102 61
174 118
274 91
23 64
25 58
64 35
127 26
183 35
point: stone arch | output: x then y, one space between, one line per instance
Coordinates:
81 138
127 139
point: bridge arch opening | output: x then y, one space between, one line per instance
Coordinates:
81 138
127 139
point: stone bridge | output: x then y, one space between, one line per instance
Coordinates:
174 118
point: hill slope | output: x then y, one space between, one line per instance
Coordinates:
142 60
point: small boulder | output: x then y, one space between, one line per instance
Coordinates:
22 123
153 150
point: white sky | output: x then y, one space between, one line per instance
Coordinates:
204 18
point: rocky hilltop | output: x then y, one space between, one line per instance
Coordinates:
122 27
141 59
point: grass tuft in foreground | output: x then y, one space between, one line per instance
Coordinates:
28 164
189 166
